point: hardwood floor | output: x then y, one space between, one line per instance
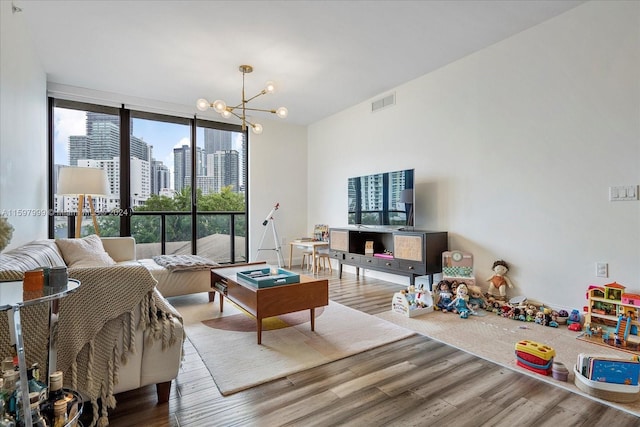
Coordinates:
412 382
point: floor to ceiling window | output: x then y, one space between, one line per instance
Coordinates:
171 201
220 190
85 136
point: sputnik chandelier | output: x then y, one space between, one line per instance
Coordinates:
240 110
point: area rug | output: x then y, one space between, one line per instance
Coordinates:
493 338
227 342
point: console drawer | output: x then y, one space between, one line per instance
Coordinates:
389 263
352 258
412 267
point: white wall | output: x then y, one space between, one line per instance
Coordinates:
514 149
23 131
277 174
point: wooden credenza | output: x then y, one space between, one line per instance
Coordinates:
414 253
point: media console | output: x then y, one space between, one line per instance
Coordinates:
409 253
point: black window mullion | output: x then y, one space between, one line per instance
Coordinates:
50 161
125 171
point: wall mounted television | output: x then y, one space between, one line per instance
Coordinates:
382 199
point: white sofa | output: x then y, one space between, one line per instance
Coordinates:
145 353
170 284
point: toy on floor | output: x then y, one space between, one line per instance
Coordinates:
444 296
459 304
535 356
499 281
476 299
574 317
423 297
576 327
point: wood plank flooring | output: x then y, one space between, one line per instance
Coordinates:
412 382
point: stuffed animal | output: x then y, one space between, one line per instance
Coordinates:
444 296
423 297
476 299
499 281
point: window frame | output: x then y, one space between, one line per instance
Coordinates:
126 115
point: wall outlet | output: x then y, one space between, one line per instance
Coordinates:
602 269
623 193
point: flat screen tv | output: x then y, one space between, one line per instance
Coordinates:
382 199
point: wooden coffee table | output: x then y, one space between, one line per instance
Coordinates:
273 301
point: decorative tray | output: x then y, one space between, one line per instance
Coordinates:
267 277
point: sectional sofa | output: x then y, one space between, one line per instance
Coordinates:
117 332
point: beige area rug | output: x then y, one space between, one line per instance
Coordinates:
227 342
493 338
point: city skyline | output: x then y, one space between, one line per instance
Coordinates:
70 126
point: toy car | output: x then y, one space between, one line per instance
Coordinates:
575 327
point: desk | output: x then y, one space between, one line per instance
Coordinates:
313 244
261 303
12 299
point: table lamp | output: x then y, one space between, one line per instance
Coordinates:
81 182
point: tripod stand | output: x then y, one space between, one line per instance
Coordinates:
269 220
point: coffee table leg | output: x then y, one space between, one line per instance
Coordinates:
313 319
259 329
221 301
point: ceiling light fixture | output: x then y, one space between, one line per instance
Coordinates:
241 109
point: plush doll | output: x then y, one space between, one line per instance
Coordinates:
459 304
444 295
476 299
499 281
454 287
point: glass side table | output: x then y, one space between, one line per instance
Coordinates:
12 299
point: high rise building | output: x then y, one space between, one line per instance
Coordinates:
78 148
101 147
182 166
225 166
217 140
103 134
160 177
140 149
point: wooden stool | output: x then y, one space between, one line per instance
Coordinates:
306 255
324 256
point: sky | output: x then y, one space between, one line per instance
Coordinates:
164 137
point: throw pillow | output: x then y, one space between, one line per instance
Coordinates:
85 252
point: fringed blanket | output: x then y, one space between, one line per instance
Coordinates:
91 322
184 262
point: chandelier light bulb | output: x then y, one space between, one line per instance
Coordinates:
270 87
202 104
257 128
226 114
219 106
282 112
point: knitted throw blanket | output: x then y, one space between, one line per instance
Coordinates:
184 262
90 341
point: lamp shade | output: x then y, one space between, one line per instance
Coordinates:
87 181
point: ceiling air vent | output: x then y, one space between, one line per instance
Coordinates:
385 102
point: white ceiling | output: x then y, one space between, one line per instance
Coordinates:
324 56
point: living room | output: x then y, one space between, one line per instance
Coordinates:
514 146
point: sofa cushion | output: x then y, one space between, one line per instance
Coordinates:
85 252
32 255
